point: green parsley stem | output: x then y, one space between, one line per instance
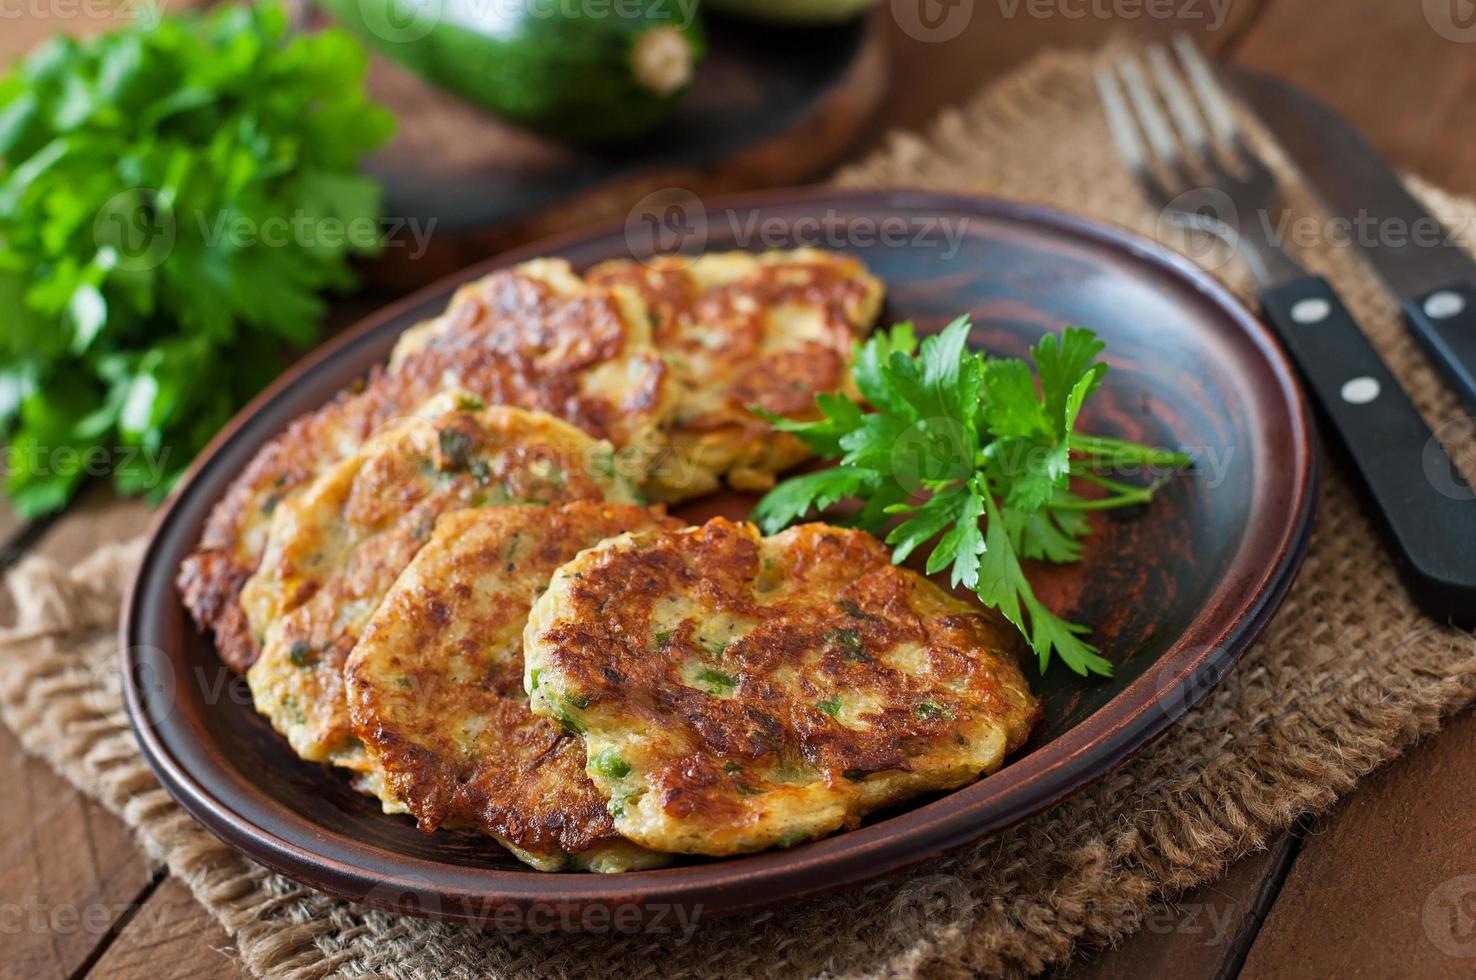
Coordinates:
1105 451
1124 495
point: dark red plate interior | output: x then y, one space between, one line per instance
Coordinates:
1175 592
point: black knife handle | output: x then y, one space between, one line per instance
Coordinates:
1414 488
1444 321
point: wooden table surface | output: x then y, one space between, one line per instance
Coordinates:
1348 894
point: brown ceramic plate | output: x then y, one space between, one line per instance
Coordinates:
1175 592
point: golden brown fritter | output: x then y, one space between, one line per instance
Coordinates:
738 692
534 336
436 687
739 330
336 548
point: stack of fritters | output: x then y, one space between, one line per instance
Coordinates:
447 583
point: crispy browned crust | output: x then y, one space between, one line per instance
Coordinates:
933 693
721 322
509 339
444 653
337 547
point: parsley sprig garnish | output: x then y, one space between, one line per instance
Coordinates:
175 198
978 454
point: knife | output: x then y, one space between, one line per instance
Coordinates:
1433 278
1431 516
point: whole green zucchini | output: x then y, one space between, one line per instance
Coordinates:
574 70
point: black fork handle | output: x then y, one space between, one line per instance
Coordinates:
1413 487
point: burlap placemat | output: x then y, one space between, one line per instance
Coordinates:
1346 676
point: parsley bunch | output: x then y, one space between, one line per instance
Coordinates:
970 451
174 197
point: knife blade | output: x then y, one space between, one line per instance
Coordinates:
1412 253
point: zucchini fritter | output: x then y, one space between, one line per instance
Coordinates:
771 330
436 687
336 548
534 336
738 692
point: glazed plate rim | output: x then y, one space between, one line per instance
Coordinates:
1260 573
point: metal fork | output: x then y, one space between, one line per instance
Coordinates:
1202 158
1249 190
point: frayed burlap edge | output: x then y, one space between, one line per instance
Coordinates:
1345 678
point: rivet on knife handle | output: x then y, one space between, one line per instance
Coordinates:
1431 524
1444 321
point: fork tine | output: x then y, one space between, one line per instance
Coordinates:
1150 117
1120 121
1211 97
1180 103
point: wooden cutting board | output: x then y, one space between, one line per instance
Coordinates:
769 106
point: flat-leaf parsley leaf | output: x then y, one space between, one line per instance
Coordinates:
174 198
977 455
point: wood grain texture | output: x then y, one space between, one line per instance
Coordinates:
170 936
68 870
1385 885
1388 69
